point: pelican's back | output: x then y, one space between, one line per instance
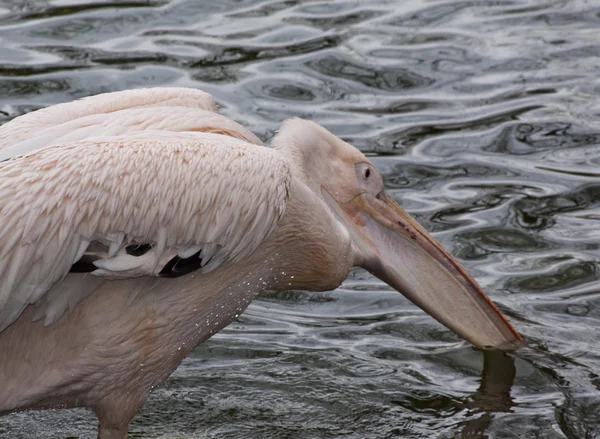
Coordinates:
26 126
118 114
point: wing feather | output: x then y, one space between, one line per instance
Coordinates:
26 126
126 121
174 192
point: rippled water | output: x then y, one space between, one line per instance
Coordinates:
482 116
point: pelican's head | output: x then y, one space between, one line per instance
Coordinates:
387 241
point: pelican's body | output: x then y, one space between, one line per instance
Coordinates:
129 335
137 224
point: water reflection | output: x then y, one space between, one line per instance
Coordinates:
493 394
396 79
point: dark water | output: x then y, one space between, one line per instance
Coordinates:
483 117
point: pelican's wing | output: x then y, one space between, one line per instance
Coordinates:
131 120
149 203
28 125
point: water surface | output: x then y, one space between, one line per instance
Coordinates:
482 117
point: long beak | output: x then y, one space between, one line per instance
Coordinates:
401 253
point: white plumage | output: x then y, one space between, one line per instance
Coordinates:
74 186
28 125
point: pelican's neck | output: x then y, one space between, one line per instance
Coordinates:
310 249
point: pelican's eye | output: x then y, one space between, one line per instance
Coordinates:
368 178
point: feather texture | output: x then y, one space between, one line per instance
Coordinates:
26 126
171 192
126 121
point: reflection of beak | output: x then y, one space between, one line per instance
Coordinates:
400 252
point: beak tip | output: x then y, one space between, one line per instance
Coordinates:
507 346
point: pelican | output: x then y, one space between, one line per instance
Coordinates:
137 224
